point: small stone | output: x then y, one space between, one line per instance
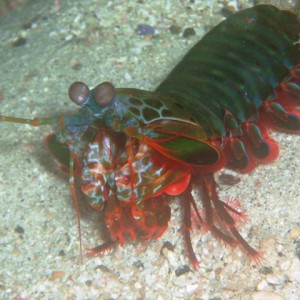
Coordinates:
189 32
174 29
19 229
68 37
61 253
167 245
19 41
57 275
274 279
266 296
102 268
76 65
266 270
170 256
294 233
88 282
145 29
182 270
30 74
262 286
138 264
229 179
128 77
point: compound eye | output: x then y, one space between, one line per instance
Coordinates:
104 93
79 92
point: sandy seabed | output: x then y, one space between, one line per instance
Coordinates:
44 48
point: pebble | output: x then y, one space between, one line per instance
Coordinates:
127 76
68 37
18 41
145 29
19 229
275 279
170 256
294 233
189 32
174 29
182 270
57 275
229 179
262 285
75 64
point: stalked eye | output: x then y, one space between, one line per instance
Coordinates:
104 93
78 92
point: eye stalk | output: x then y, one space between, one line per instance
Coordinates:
79 92
104 93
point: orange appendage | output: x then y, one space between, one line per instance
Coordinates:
178 187
234 208
218 217
149 220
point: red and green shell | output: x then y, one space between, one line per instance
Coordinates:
130 149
